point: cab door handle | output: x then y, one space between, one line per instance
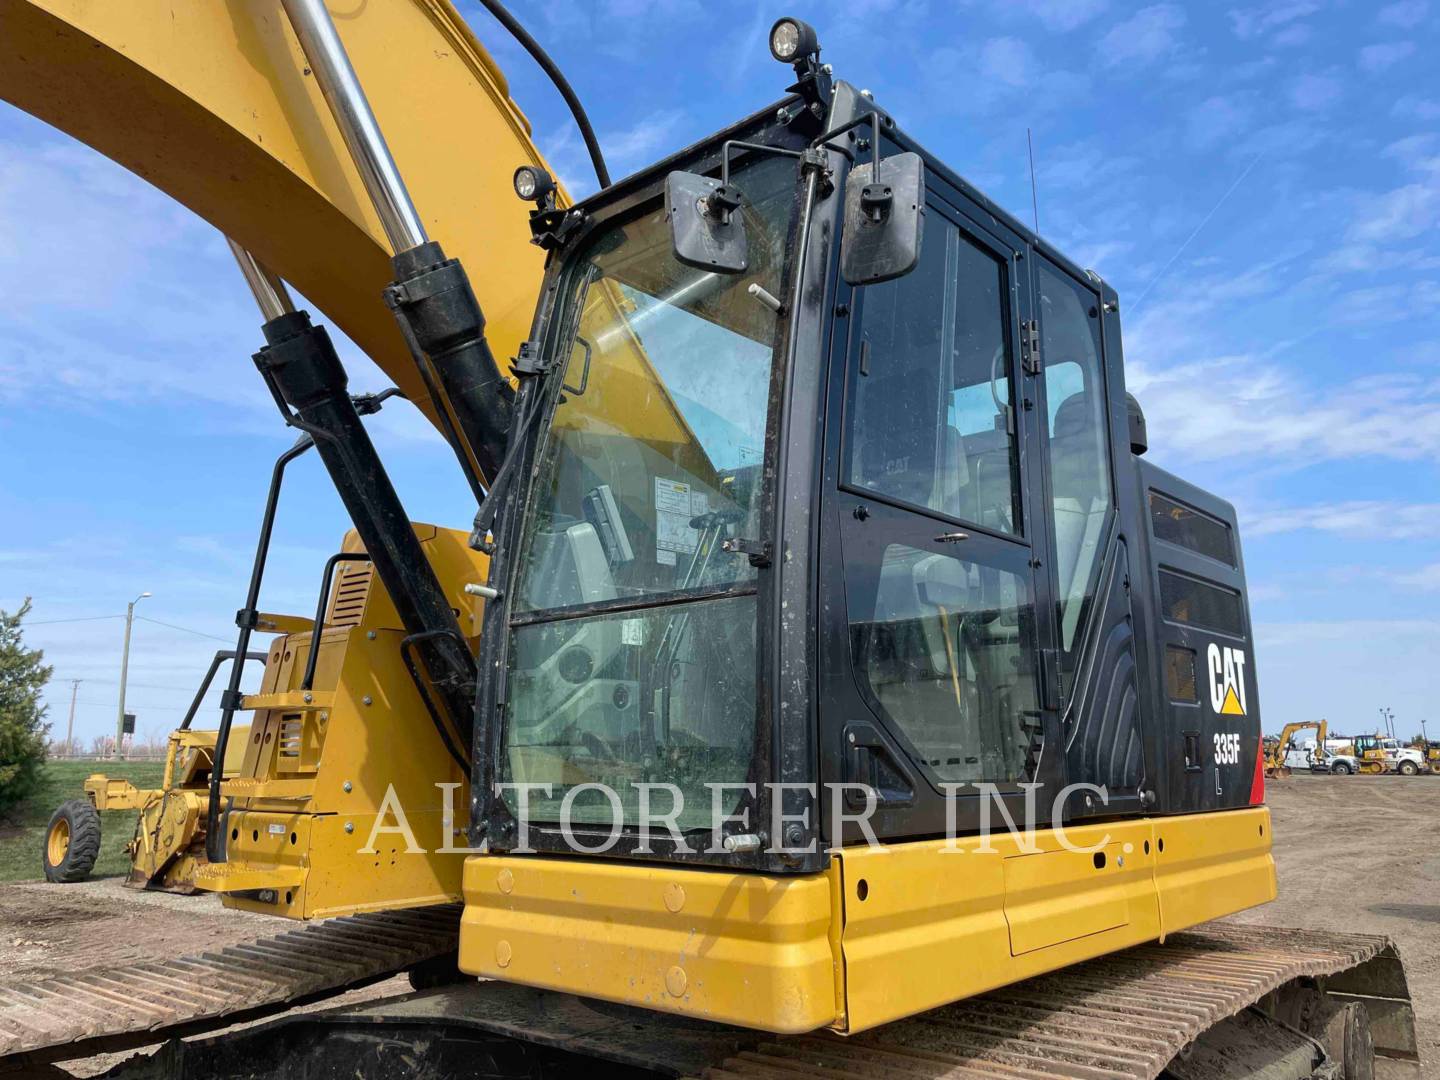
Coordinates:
952 537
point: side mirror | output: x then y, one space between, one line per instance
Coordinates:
884 220
706 228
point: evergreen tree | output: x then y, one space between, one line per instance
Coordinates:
22 717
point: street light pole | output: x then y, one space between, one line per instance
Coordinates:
124 672
70 724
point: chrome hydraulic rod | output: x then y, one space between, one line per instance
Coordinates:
269 291
439 315
343 93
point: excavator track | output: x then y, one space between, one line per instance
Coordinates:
90 1012
1121 1017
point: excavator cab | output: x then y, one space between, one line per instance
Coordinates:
835 539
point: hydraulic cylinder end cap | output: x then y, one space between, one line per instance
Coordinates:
417 260
284 327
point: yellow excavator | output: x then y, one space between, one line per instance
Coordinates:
825 685
1276 752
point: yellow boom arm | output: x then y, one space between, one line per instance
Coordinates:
212 102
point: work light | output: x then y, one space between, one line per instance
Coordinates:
533 183
792 40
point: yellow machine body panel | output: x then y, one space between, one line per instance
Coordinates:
323 768
720 946
168 849
885 933
212 103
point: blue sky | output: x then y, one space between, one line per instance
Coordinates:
1261 183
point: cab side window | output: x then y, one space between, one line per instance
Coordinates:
1078 440
930 417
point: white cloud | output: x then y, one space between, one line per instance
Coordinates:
1147 36
1416 108
1359 519
1401 214
1213 120
1206 403
1007 60
1241 407
1406 14
1355 630
1426 578
1099 254
997 72
1377 58
1262 19
649 138
1293 35
1353 258
626 150
124 295
1314 92
1414 150
1377 305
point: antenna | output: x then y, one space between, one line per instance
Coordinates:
1034 194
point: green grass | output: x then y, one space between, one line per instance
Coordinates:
22 832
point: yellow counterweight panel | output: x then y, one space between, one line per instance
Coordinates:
885 933
1211 865
737 948
210 101
936 925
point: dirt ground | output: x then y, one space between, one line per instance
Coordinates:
1361 854
1355 854
60 929
48 930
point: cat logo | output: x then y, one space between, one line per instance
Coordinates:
1227 680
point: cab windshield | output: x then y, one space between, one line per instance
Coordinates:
632 649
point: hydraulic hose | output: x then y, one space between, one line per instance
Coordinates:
582 121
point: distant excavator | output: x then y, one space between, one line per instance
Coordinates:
812 534
1276 752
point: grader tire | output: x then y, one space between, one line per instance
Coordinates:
72 842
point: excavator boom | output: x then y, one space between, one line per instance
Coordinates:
214 104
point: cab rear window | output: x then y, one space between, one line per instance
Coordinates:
1192 602
1176 523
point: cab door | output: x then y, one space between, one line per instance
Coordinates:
1076 377
932 650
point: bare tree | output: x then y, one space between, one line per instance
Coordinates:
152 744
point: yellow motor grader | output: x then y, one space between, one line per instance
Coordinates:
168 844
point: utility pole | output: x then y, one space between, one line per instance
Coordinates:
70 724
124 672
